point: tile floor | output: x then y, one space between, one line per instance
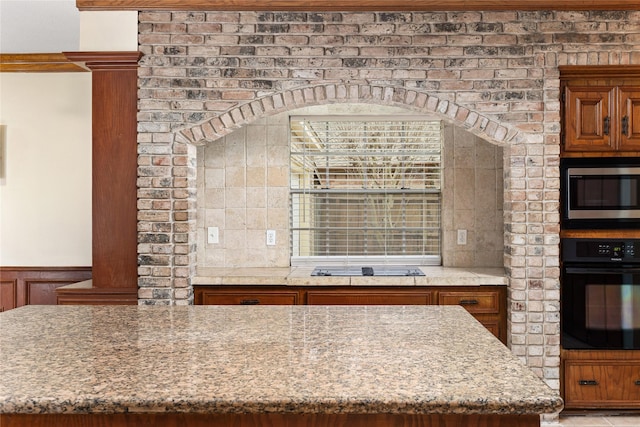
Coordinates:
598 421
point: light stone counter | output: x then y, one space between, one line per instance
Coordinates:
301 276
260 359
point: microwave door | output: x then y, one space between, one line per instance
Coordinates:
603 193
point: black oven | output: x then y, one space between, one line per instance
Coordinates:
600 192
600 294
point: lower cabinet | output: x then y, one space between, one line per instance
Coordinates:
601 379
225 295
369 296
488 304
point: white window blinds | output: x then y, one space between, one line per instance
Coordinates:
365 187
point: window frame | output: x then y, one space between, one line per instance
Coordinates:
396 259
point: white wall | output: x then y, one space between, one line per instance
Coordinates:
108 30
45 190
45 184
28 26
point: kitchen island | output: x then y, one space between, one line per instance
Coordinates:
261 366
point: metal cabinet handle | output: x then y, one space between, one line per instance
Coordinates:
250 302
637 382
607 125
588 382
625 126
469 302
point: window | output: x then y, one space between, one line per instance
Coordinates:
365 188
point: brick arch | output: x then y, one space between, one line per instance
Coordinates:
474 122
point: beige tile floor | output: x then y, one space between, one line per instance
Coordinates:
599 421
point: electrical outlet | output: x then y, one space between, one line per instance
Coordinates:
271 237
462 237
213 236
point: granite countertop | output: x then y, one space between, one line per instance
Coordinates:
256 359
301 276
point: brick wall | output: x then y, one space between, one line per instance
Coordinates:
492 73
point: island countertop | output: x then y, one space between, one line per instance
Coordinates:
279 359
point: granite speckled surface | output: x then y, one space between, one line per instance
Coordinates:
253 359
301 276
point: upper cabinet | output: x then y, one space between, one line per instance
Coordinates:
601 110
629 110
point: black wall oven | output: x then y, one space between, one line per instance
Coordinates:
600 294
600 192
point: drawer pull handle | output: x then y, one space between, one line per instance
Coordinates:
250 302
637 382
625 126
588 382
469 302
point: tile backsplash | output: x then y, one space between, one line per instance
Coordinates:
243 190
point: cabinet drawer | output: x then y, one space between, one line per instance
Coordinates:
474 302
368 297
602 383
248 298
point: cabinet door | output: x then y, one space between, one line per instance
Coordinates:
369 297
589 124
629 114
246 297
601 383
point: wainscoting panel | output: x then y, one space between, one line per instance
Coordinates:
36 285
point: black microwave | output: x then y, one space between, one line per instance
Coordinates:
600 192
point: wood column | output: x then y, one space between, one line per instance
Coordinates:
114 174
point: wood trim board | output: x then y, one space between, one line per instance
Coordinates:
38 63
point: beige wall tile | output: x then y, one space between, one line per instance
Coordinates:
245 199
256 176
235 176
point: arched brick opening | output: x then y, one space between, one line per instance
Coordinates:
421 102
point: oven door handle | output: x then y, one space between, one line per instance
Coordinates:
601 270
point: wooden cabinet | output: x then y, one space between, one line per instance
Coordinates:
488 304
601 379
475 302
601 110
484 304
629 114
369 296
225 295
587 118
602 118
